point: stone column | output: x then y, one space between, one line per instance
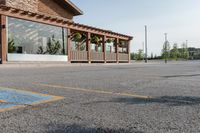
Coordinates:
3 40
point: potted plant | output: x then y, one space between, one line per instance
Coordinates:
109 40
79 40
97 41
77 37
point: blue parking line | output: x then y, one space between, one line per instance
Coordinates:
13 98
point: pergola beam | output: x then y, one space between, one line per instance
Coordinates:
58 21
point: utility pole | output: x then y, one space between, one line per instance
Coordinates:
146 52
166 36
143 50
165 47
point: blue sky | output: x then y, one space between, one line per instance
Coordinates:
179 18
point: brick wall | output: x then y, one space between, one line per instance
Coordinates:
2 1
43 6
28 5
51 7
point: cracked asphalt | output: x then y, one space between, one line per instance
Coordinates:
128 98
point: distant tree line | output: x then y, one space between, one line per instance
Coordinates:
175 52
171 53
139 55
180 53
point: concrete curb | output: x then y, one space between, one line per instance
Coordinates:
53 64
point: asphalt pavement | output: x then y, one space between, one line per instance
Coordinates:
126 98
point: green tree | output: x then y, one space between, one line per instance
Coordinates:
166 50
79 40
174 53
184 52
133 56
140 55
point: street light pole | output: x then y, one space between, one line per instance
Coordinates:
143 51
165 47
146 52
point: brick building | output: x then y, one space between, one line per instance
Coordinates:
44 30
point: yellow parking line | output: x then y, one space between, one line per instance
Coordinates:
93 91
112 93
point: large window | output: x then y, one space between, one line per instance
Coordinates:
26 37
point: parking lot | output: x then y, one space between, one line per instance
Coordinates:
126 98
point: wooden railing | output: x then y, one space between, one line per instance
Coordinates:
111 56
123 57
79 56
97 56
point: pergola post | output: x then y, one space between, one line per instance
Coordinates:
88 43
3 40
129 51
69 45
117 49
104 48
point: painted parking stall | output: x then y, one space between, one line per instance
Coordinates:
13 99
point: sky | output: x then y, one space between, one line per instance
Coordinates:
179 18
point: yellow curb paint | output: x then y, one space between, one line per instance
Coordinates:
54 98
93 91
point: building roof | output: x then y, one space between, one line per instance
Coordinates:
58 21
69 5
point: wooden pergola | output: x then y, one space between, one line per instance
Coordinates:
73 56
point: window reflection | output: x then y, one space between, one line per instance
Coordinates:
26 37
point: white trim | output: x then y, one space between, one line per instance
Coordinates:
35 57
